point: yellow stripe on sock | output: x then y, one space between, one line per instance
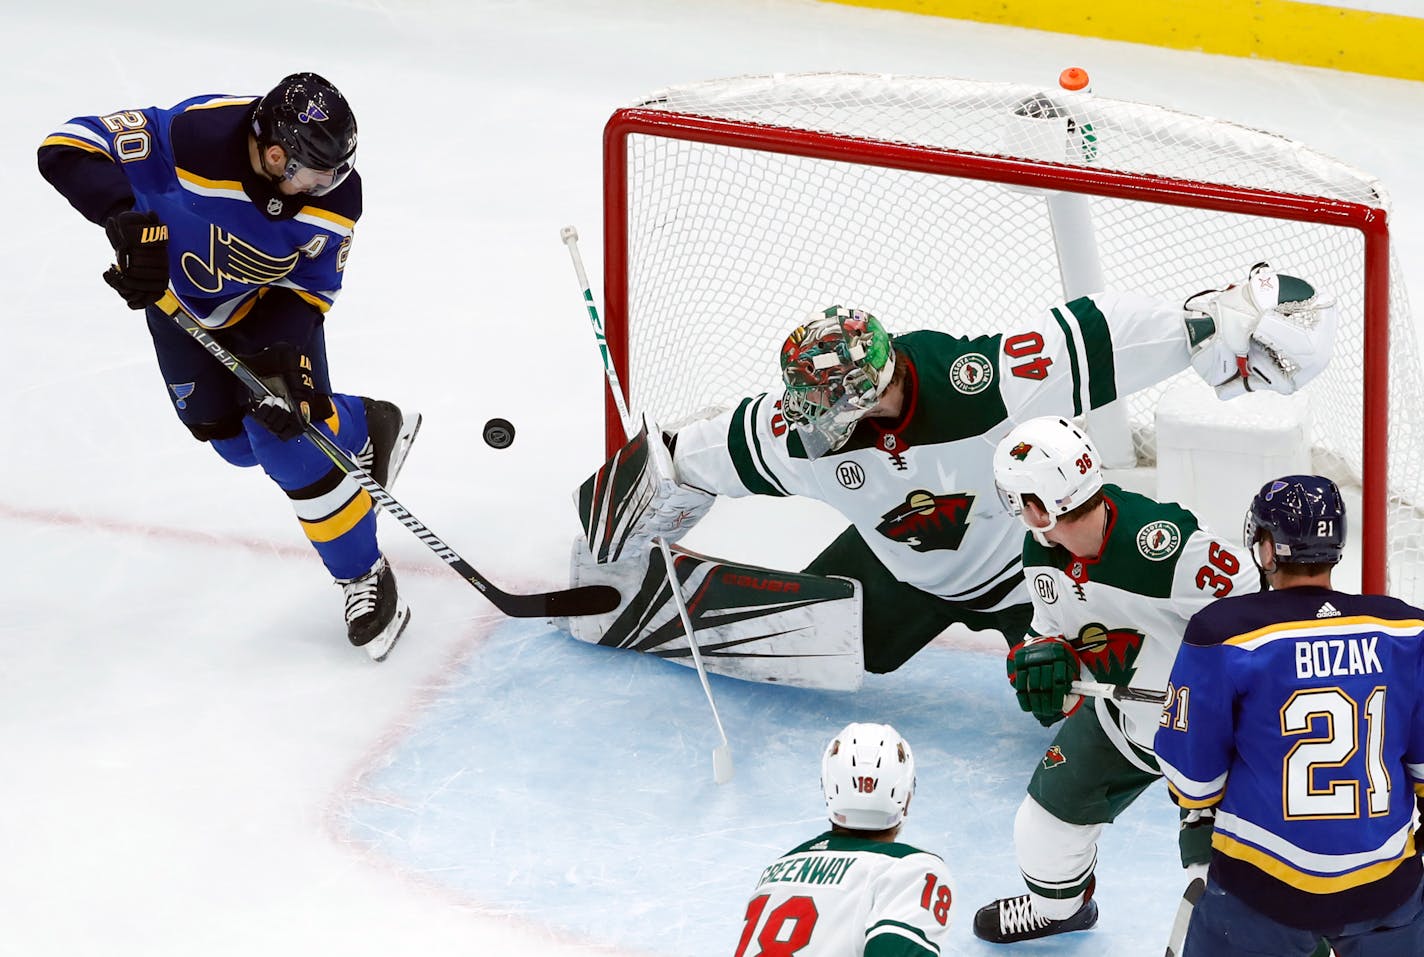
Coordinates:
341 522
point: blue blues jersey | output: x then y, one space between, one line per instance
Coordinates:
1299 715
233 238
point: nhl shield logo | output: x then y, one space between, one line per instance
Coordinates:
1053 758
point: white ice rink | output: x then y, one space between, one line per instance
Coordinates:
192 759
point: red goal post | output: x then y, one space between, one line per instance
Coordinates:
733 208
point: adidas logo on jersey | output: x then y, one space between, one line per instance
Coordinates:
1328 610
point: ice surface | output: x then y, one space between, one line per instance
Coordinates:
194 761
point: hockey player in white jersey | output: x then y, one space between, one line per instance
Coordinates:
855 890
1115 577
897 433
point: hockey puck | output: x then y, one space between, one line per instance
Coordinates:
499 433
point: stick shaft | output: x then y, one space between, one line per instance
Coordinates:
721 758
1096 689
587 600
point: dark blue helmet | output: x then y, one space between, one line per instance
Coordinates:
1305 516
311 120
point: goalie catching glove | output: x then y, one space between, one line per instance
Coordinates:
636 498
1042 671
1272 332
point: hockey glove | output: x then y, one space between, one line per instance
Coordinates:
287 372
140 242
636 497
1272 332
1041 671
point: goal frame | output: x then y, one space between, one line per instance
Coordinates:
1371 221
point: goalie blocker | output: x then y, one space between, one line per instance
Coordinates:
753 623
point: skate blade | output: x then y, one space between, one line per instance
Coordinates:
405 438
381 647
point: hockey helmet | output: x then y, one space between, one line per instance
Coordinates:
835 367
1305 517
311 120
868 776
1051 459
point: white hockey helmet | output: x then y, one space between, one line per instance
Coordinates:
1051 459
868 775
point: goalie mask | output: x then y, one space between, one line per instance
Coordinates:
868 776
1051 459
835 368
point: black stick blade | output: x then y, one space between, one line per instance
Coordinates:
569 603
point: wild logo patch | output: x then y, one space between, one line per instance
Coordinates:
1158 540
971 373
928 522
1021 451
1053 757
1108 654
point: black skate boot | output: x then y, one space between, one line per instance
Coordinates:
391 434
375 613
1011 919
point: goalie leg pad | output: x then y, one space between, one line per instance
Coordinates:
635 498
753 623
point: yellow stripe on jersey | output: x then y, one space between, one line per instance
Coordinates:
1311 883
222 101
1189 802
336 219
216 185
321 304
341 522
61 140
1347 624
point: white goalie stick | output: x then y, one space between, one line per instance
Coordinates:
586 600
1097 689
722 769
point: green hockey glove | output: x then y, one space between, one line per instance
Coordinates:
1042 671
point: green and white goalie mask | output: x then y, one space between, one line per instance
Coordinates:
1050 459
835 368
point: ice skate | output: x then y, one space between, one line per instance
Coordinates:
375 613
391 433
1011 919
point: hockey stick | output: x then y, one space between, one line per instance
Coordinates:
722 769
585 600
1095 689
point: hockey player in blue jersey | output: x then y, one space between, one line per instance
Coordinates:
243 208
1298 714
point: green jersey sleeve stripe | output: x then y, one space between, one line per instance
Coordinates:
745 449
1098 351
756 446
1072 362
894 937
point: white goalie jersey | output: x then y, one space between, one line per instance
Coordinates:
920 488
845 896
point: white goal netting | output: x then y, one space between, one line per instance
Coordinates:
738 206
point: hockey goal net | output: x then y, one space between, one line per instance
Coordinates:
733 208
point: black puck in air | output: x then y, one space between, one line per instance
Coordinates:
499 433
